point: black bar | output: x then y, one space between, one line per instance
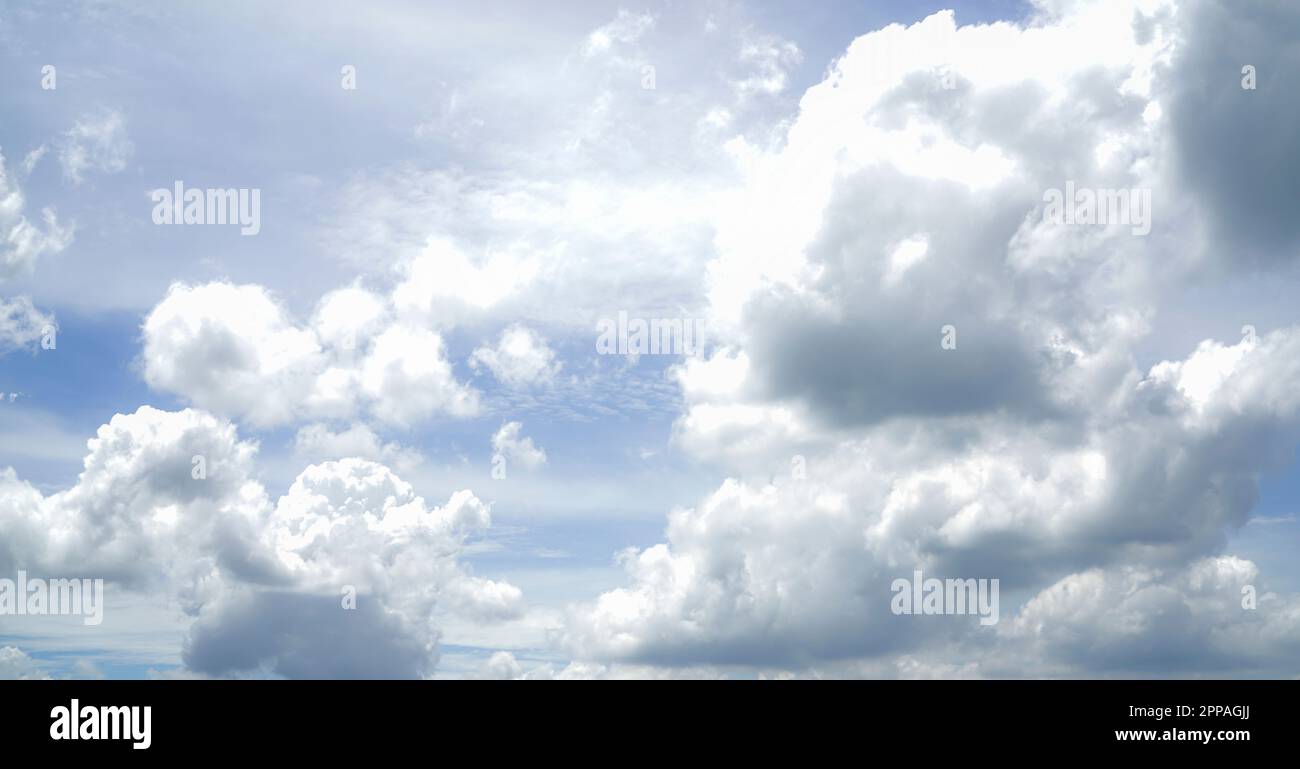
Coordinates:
766 719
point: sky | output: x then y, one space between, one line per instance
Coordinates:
387 382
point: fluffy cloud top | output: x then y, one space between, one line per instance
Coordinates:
235 350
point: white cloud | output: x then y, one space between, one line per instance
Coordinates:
97 142
15 665
31 159
1204 372
626 28
501 666
320 442
520 359
348 317
409 378
442 284
768 58
21 324
511 444
908 253
235 350
1036 451
1152 620
21 241
266 583
828 247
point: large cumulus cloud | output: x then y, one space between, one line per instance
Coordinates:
345 575
908 196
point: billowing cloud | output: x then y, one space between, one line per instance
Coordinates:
919 360
235 350
1208 616
971 408
349 561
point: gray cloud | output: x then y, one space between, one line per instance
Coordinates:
1239 150
305 636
